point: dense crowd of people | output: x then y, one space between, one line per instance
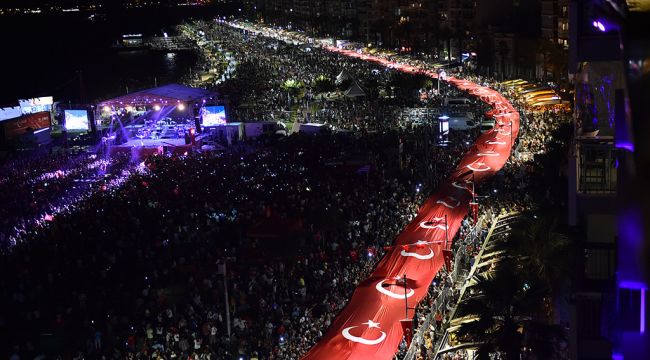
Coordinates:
525 184
47 183
247 253
266 65
133 271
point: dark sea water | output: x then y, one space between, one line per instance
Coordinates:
43 55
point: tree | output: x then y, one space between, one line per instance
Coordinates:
323 83
505 304
293 88
540 249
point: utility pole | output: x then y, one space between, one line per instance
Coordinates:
222 269
406 304
446 232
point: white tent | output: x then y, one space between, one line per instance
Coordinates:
355 91
343 77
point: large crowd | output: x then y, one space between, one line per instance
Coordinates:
136 263
132 271
266 64
530 180
36 185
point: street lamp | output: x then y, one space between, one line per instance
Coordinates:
443 129
407 323
511 143
473 204
470 172
442 75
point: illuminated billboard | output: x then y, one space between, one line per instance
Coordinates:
10 113
76 120
213 115
34 105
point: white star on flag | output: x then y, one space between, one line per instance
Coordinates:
371 324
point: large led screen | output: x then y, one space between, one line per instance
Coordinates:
76 120
213 115
30 106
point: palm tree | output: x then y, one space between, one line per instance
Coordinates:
499 299
545 253
323 83
544 341
540 249
293 88
504 304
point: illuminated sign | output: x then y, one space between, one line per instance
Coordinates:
34 105
10 113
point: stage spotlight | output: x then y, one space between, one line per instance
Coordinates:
128 108
181 107
156 107
107 108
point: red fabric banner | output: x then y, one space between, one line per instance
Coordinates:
448 256
407 328
369 326
474 206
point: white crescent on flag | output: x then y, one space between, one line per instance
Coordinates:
361 340
419 256
445 203
478 166
462 185
387 292
429 225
